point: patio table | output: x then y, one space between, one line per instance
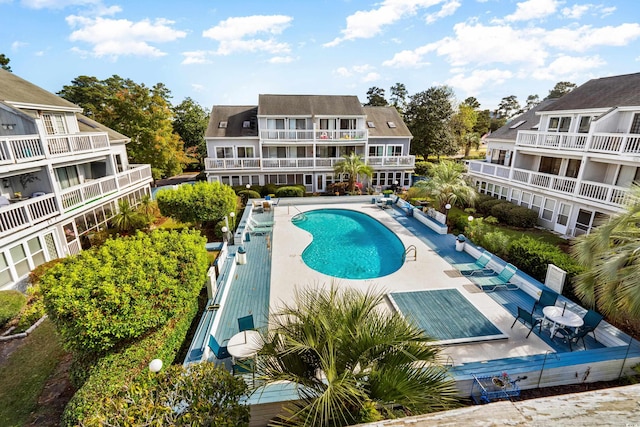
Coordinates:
245 344
560 316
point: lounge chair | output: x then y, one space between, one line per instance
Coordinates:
220 351
477 267
502 280
546 298
528 319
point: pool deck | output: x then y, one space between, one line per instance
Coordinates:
429 271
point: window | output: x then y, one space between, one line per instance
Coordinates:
536 204
583 127
394 150
583 222
559 124
67 176
327 124
635 125
515 195
245 153
550 165
391 124
224 152
246 124
51 246
37 251
54 124
5 273
526 199
376 150
20 261
347 124
547 211
563 214
573 167
301 152
275 124
371 124
299 124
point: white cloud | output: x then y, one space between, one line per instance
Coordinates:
281 60
576 11
365 73
198 87
57 4
605 11
18 45
409 58
586 37
371 77
195 57
367 24
533 9
234 34
479 80
448 9
567 67
40 53
117 37
342 72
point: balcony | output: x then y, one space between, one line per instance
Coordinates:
27 213
232 163
60 145
606 143
309 135
390 161
28 148
592 191
303 163
20 149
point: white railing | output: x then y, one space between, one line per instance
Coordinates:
232 163
304 163
604 193
486 168
19 149
608 143
66 144
404 161
18 216
311 135
95 189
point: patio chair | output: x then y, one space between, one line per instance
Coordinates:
245 323
546 298
477 267
388 204
220 351
528 318
502 280
266 206
591 321
574 336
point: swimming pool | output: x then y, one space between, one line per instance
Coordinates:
349 244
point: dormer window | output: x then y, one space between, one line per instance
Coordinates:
391 124
222 125
246 124
371 124
54 124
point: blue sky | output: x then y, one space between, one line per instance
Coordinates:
229 52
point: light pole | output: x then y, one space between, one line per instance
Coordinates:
155 365
224 232
248 186
446 215
395 186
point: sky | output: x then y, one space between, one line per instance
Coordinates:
228 52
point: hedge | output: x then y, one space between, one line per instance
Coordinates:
245 195
532 256
11 302
290 191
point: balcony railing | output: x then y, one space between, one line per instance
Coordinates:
18 216
594 191
608 143
303 163
291 135
66 144
95 189
19 149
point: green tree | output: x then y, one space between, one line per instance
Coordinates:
204 204
375 97
190 121
560 89
399 96
472 102
208 395
508 106
610 254
104 298
89 93
127 218
4 62
351 360
447 184
462 124
483 122
427 116
532 101
352 165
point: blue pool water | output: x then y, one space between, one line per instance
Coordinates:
349 244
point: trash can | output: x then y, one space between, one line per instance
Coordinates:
242 255
460 242
410 211
247 237
373 200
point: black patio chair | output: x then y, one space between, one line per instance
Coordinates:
528 318
591 321
546 298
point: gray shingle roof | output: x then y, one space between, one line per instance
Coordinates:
529 118
234 116
16 89
606 92
309 105
85 124
381 116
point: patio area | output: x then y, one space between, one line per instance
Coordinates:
274 268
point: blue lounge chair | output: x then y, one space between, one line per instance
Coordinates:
502 280
477 267
220 352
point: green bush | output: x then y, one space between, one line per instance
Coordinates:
104 298
422 168
522 217
532 256
245 195
290 191
268 189
502 211
11 302
486 206
497 243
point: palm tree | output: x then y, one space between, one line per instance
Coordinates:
127 218
447 184
353 166
351 360
611 255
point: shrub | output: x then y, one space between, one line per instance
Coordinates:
497 243
212 393
290 191
502 211
486 206
11 302
268 189
106 297
532 256
522 217
245 195
422 168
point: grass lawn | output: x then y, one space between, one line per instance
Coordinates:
23 376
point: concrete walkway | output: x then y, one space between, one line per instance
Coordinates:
618 407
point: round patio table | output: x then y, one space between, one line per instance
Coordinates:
245 344
555 315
